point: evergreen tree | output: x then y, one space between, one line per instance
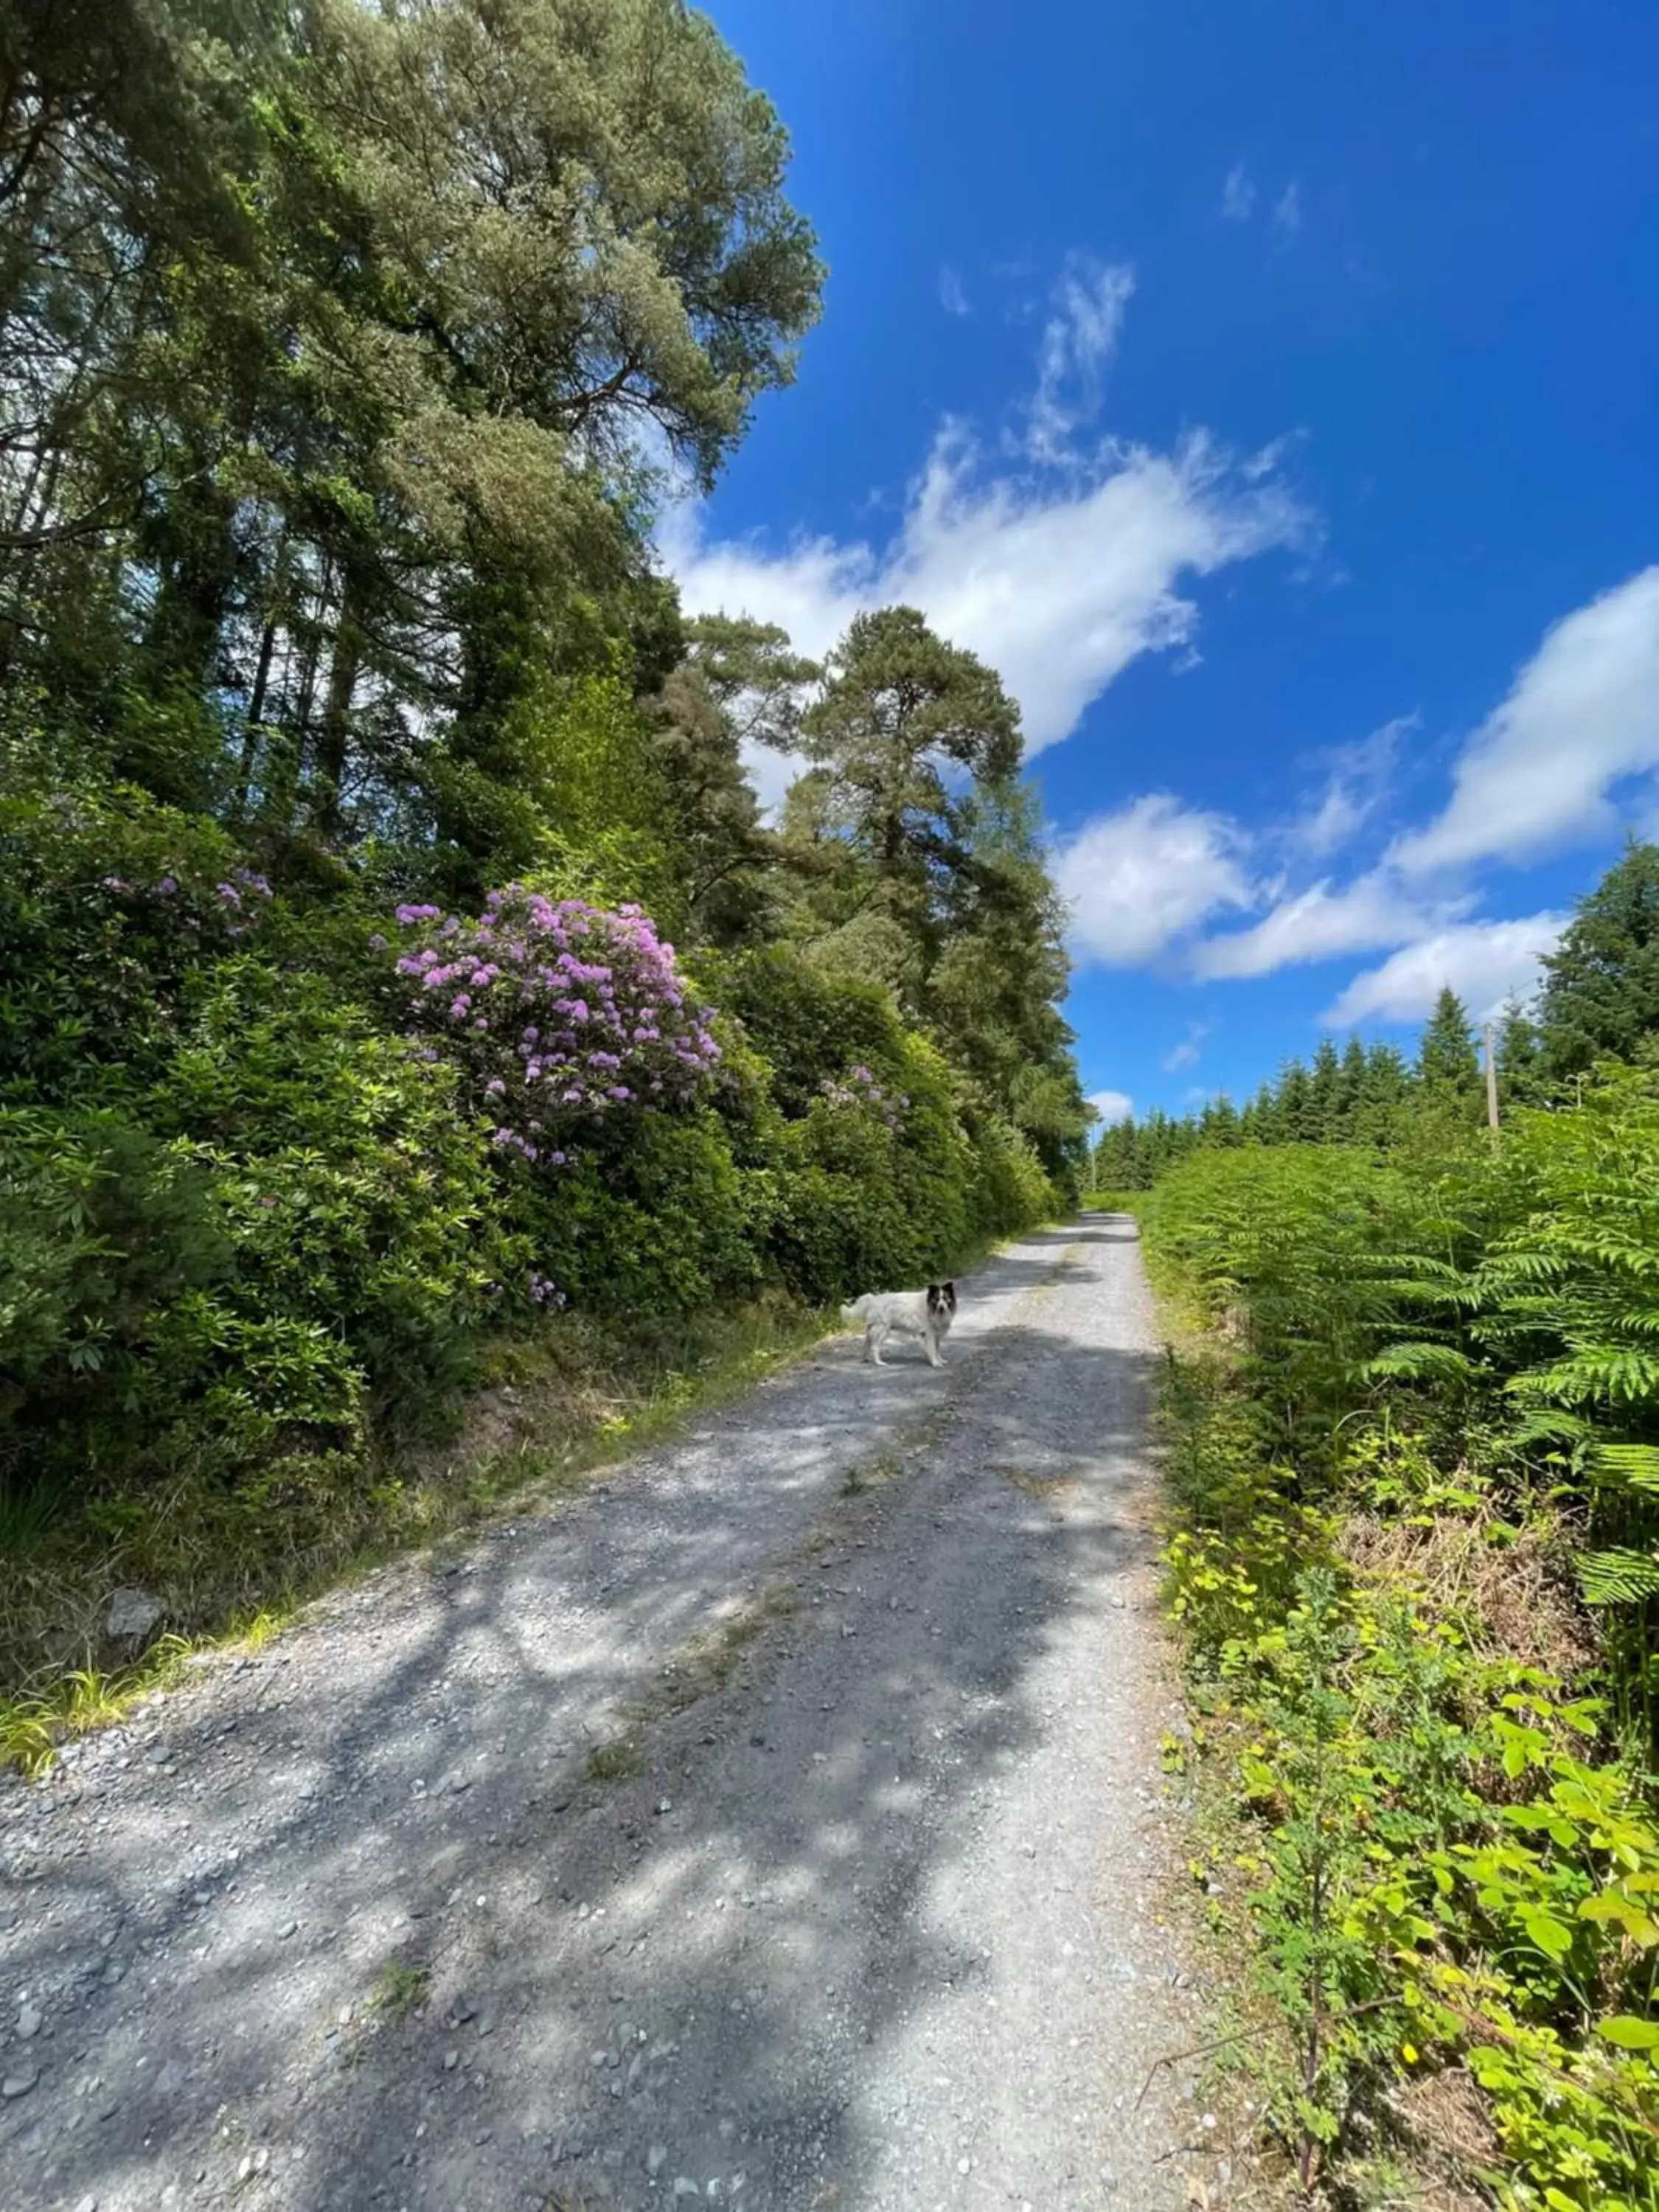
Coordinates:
1218 1122
1385 1096
1296 1124
1352 1093
1325 1095
1521 1077
1447 1064
1600 995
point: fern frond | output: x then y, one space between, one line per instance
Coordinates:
1618 1577
1627 1467
1438 1362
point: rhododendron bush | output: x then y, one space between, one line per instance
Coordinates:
560 1012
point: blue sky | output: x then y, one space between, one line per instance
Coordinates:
1268 391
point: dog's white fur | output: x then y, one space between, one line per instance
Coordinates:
927 1314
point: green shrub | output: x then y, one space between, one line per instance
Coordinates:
110 903
652 1216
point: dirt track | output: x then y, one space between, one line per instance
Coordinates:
778 1825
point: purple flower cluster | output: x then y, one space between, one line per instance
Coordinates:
559 1010
232 906
861 1089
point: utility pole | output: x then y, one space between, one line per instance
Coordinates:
1492 1082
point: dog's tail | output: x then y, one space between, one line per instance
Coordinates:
857 1310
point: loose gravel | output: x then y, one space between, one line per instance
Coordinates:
778 1824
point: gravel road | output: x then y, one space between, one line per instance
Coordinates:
777 1824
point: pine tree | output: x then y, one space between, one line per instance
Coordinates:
1296 1120
1218 1122
1355 1062
1448 1066
1600 995
1325 1095
1521 1077
1384 1097
1269 1116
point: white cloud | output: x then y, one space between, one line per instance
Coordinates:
1582 715
1112 1105
951 296
1320 924
1238 195
1058 585
1078 341
1058 566
1140 879
1287 210
1482 961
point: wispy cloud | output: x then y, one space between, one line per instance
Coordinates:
1238 195
1356 783
1058 566
1187 1053
1581 717
1140 881
952 295
1078 340
1287 211
1484 961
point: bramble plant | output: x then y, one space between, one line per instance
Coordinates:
559 1012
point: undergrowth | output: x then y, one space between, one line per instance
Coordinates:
1421 1721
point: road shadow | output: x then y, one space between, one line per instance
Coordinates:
602 1977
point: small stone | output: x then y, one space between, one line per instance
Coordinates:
28 2023
452 2060
288 1927
19 2085
461 1783
656 2158
87 2205
964 2165
665 1804
130 1613
684 2186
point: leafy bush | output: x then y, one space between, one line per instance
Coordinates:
1453 1855
655 1216
109 903
304 1227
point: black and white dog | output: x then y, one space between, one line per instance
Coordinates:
927 1314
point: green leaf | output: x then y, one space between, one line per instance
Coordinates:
1628 2032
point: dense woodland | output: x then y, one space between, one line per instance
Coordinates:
1414 1453
396 960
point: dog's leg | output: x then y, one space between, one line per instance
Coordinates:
878 1337
869 1345
930 1345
